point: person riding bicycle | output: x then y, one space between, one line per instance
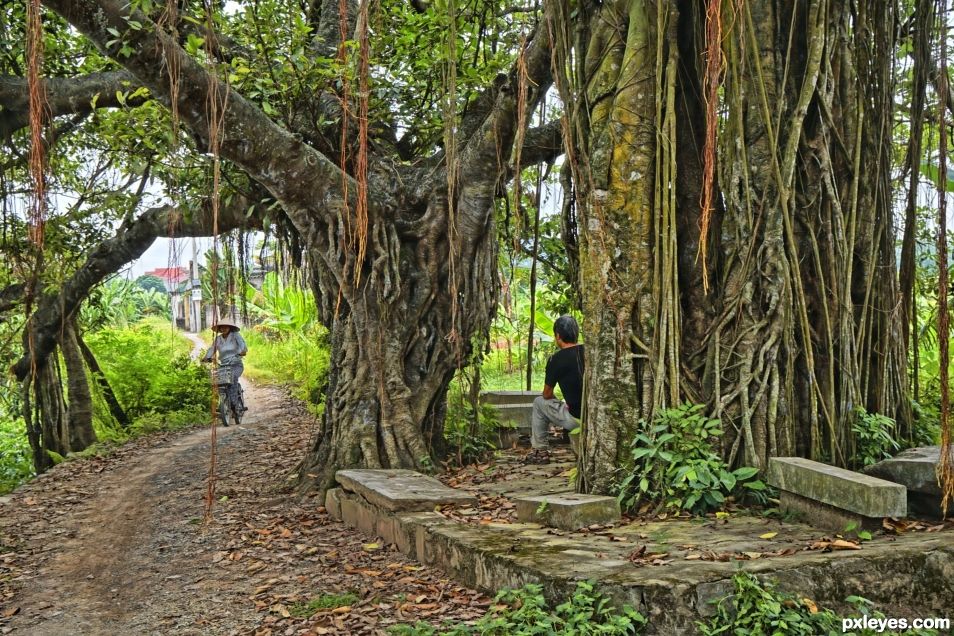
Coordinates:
230 347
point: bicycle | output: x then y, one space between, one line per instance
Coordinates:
231 397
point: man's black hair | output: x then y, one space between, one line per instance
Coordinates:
566 327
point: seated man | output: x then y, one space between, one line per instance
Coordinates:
564 368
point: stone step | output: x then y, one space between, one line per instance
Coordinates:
568 511
916 470
520 415
399 490
508 397
845 496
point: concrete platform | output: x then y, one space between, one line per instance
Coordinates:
667 569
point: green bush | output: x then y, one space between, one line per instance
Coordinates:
298 359
874 437
471 434
525 612
675 465
759 609
16 464
149 369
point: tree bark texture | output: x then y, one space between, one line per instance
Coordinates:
800 327
405 309
79 398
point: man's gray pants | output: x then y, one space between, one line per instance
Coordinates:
547 413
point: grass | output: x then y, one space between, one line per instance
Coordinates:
323 602
299 361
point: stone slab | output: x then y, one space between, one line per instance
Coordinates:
568 511
399 490
822 515
520 415
508 397
916 470
862 494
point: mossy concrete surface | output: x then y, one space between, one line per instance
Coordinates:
845 489
568 511
672 570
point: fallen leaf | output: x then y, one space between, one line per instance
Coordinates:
768 535
841 544
7 613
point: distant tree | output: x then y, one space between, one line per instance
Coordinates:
150 282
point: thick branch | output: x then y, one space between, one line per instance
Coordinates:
542 144
300 177
65 96
39 334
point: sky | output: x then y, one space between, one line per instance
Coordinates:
162 254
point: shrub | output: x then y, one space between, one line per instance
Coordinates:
298 359
149 369
16 464
874 437
525 612
760 609
675 465
470 433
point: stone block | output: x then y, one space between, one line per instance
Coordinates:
398 490
333 503
822 515
916 470
518 415
568 511
508 397
844 489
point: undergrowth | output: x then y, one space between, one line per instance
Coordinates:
760 609
525 612
299 360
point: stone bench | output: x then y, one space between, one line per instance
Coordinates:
376 501
500 398
568 511
832 497
916 470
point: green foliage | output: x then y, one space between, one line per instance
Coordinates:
323 602
281 308
675 465
873 437
299 360
759 609
150 282
471 433
149 369
16 465
525 612
122 303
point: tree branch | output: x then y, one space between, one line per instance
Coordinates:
297 175
65 96
129 243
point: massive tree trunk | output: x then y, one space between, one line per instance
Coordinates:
623 146
800 327
80 400
810 330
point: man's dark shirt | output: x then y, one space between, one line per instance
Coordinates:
565 368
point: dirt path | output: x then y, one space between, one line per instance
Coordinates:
117 545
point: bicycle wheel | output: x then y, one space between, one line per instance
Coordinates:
224 403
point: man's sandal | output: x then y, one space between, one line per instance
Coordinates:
538 457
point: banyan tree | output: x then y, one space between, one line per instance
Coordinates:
728 197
